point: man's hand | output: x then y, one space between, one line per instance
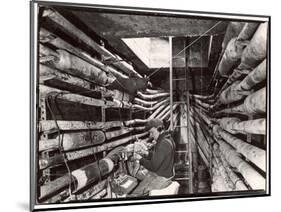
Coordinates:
137 156
137 147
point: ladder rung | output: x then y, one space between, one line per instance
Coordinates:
176 79
185 151
181 178
176 102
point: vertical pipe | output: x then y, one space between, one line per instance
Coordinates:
210 47
171 81
189 146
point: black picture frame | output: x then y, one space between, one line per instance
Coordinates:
34 104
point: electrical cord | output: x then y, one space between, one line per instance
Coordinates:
60 138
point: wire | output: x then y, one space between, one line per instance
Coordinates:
216 69
60 137
189 45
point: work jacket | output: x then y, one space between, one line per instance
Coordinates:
161 159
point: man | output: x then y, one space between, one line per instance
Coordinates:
159 162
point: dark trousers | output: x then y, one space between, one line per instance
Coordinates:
150 182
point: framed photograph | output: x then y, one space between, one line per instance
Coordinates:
140 105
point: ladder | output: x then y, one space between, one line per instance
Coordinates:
185 103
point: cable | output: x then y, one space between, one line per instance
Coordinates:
49 95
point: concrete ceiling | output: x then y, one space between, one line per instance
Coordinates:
132 26
114 27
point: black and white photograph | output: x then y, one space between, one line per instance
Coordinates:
141 105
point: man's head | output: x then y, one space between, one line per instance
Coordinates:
155 127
